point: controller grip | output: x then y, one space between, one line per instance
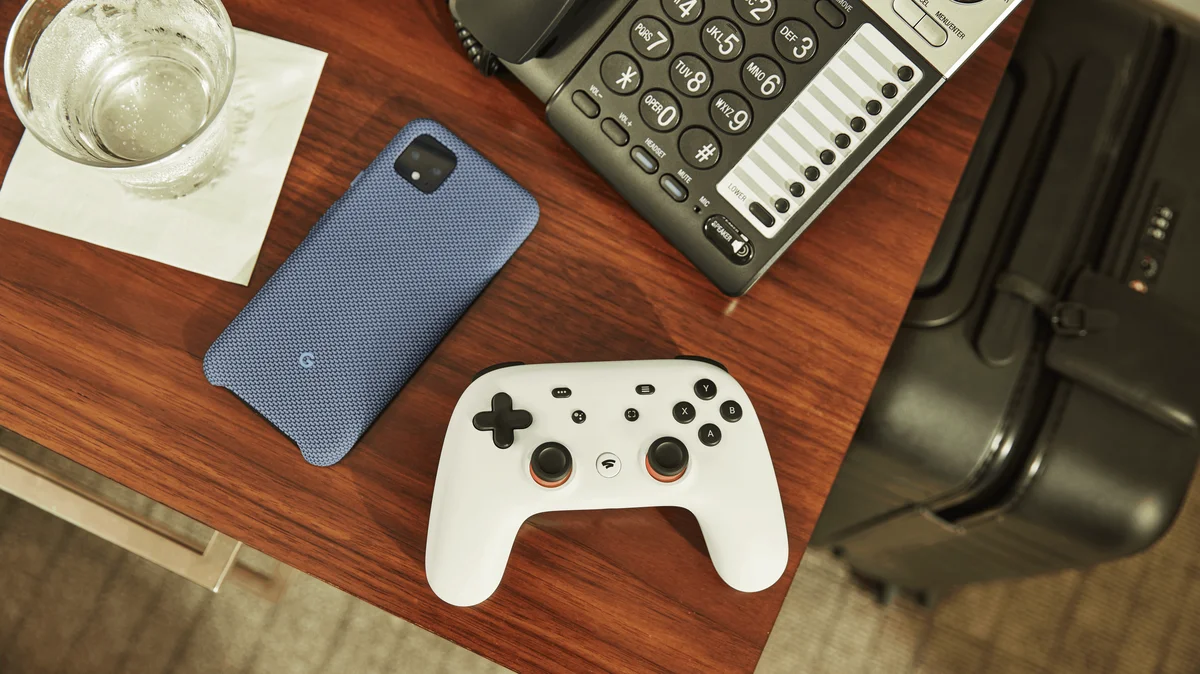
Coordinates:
747 539
467 550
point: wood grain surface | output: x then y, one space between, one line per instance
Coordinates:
100 355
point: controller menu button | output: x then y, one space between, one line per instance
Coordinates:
667 459
550 465
710 435
502 420
731 411
561 392
684 412
645 389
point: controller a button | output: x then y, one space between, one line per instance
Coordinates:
705 389
550 465
502 420
667 459
684 412
631 414
710 435
731 411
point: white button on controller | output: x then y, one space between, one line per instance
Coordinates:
608 465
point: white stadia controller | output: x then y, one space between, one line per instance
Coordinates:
527 439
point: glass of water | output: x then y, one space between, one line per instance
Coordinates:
134 87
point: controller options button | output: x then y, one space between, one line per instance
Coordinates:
722 39
608 464
585 104
502 420
796 41
710 435
700 149
620 73
731 411
705 389
631 414
728 239
651 38
667 459
684 412
561 392
550 465
645 389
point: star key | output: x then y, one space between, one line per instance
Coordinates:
502 420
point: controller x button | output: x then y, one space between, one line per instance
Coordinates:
502 420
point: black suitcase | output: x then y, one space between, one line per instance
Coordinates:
1039 408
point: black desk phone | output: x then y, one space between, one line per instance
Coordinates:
728 124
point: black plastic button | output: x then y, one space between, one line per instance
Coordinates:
645 389
705 389
659 110
667 459
731 411
812 173
731 113
645 161
762 77
905 73
874 108
858 124
585 104
683 11
734 245
699 148
842 141
561 392
890 90
832 15
502 420
620 74
795 41
762 214
615 132
631 414
710 435
550 464
797 189
691 75
578 416
827 157
722 39
782 205
651 38
684 412
756 12
673 187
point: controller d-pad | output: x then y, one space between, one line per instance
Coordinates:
502 420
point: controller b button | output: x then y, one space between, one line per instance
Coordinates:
667 459
550 465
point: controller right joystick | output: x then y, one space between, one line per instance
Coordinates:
667 459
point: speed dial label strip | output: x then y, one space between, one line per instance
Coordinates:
825 125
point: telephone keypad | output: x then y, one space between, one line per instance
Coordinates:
621 74
660 110
691 75
723 40
683 11
700 148
755 12
651 38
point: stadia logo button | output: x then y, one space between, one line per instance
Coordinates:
307 359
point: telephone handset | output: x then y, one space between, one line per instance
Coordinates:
729 124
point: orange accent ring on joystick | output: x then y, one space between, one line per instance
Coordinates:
662 478
550 485
560 462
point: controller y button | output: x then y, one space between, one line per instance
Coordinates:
667 459
550 465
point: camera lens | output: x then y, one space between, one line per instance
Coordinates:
416 155
437 171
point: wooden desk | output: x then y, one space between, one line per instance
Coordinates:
100 355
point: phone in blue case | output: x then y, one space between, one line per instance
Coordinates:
381 278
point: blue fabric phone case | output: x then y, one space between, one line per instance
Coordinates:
358 306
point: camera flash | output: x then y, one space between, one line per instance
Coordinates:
416 175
